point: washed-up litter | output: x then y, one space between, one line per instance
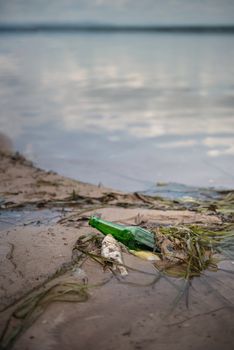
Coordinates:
132 236
182 251
145 255
111 250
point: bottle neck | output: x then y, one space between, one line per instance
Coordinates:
104 226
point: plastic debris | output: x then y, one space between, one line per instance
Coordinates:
146 255
111 250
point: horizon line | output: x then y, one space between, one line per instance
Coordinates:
72 27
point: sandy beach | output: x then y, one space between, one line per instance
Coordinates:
42 216
116 175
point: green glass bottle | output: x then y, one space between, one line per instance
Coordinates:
134 237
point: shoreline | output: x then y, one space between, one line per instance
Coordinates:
35 246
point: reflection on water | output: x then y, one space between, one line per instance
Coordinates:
124 110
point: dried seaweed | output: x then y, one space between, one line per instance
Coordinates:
191 249
30 309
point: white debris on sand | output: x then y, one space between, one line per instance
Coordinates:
111 250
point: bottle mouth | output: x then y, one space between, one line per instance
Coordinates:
92 220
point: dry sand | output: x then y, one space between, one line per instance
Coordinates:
43 214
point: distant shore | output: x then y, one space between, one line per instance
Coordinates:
105 28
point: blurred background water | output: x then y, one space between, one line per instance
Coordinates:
126 110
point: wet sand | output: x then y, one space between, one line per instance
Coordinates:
43 214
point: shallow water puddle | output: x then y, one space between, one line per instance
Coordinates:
9 218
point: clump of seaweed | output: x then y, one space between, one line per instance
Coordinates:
187 251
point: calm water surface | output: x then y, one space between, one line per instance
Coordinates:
126 110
